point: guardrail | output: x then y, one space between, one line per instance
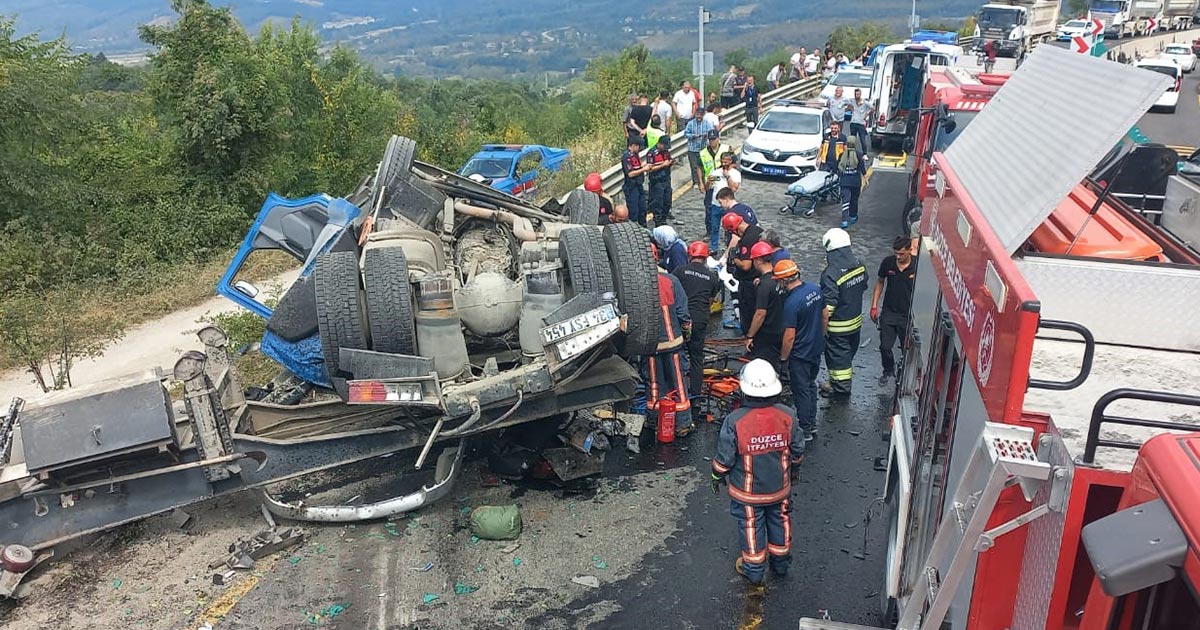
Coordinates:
731 118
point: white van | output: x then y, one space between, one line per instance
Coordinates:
898 85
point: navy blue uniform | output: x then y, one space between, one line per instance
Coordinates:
842 284
659 203
634 187
802 312
851 182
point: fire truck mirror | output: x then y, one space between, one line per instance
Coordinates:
1135 548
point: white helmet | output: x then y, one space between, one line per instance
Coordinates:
758 380
835 238
664 235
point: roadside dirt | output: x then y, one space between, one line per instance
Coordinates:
158 342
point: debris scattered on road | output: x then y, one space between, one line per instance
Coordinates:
496 522
244 552
117 584
598 563
428 566
850 525
510 548
221 579
328 612
294 560
517 562
429 598
181 519
463 589
587 580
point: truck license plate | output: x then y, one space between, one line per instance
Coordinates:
578 324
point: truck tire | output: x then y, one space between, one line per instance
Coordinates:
585 258
635 279
339 306
583 207
389 301
295 316
394 170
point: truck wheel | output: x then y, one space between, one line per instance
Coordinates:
394 169
16 558
339 306
583 207
583 254
389 301
635 278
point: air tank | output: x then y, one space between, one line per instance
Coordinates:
439 329
543 294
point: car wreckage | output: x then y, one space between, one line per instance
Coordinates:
429 309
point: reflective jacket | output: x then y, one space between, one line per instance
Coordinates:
709 160
842 285
674 312
755 452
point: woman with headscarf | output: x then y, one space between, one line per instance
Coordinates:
851 168
673 251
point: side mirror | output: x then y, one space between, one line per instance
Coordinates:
948 123
245 288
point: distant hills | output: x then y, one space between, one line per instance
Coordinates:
496 39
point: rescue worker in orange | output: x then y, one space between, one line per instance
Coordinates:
665 372
758 450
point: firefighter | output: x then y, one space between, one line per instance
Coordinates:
594 184
744 238
842 285
803 341
664 371
897 273
673 251
758 450
660 163
763 338
635 181
702 287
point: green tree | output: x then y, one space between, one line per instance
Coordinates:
968 27
850 39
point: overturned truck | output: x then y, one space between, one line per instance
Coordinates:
428 309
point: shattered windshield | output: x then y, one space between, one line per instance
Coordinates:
490 168
998 18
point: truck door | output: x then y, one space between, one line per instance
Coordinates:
933 437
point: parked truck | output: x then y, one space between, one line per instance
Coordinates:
1180 14
1016 26
1042 471
1126 18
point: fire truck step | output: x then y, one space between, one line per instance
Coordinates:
934 583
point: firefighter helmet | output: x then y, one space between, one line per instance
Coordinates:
785 269
592 183
731 221
758 380
760 249
835 238
698 249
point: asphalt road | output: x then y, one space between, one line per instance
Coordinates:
1180 129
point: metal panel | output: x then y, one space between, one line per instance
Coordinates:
1042 133
1181 210
1129 303
1042 545
77 426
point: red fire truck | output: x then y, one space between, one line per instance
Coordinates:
1042 474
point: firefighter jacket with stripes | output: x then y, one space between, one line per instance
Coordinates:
756 450
842 285
674 311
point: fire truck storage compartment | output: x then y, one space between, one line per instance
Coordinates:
1181 210
109 418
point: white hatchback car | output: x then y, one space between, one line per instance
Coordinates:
1162 65
1181 54
785 141
849 79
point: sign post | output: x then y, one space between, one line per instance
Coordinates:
699 67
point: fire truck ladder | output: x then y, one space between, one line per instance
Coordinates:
1004 455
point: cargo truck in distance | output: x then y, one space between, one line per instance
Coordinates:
1179 14
1124 18
1017 25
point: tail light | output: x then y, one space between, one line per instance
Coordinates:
882 120
1178 84
377 392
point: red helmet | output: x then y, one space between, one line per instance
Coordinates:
592 183
760 249
698 249
731 221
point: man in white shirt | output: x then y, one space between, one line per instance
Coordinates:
812 63
773 77
713 116
665 111
685 103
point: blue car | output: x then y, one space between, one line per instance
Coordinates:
513 168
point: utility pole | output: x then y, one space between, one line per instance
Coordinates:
701 51
912 21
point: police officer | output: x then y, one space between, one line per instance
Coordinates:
673 252
659 160
758 449
745 236
635 181
702 286
764 337
665 372
896 272
842 285
803 341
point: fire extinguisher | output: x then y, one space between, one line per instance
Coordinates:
666 419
